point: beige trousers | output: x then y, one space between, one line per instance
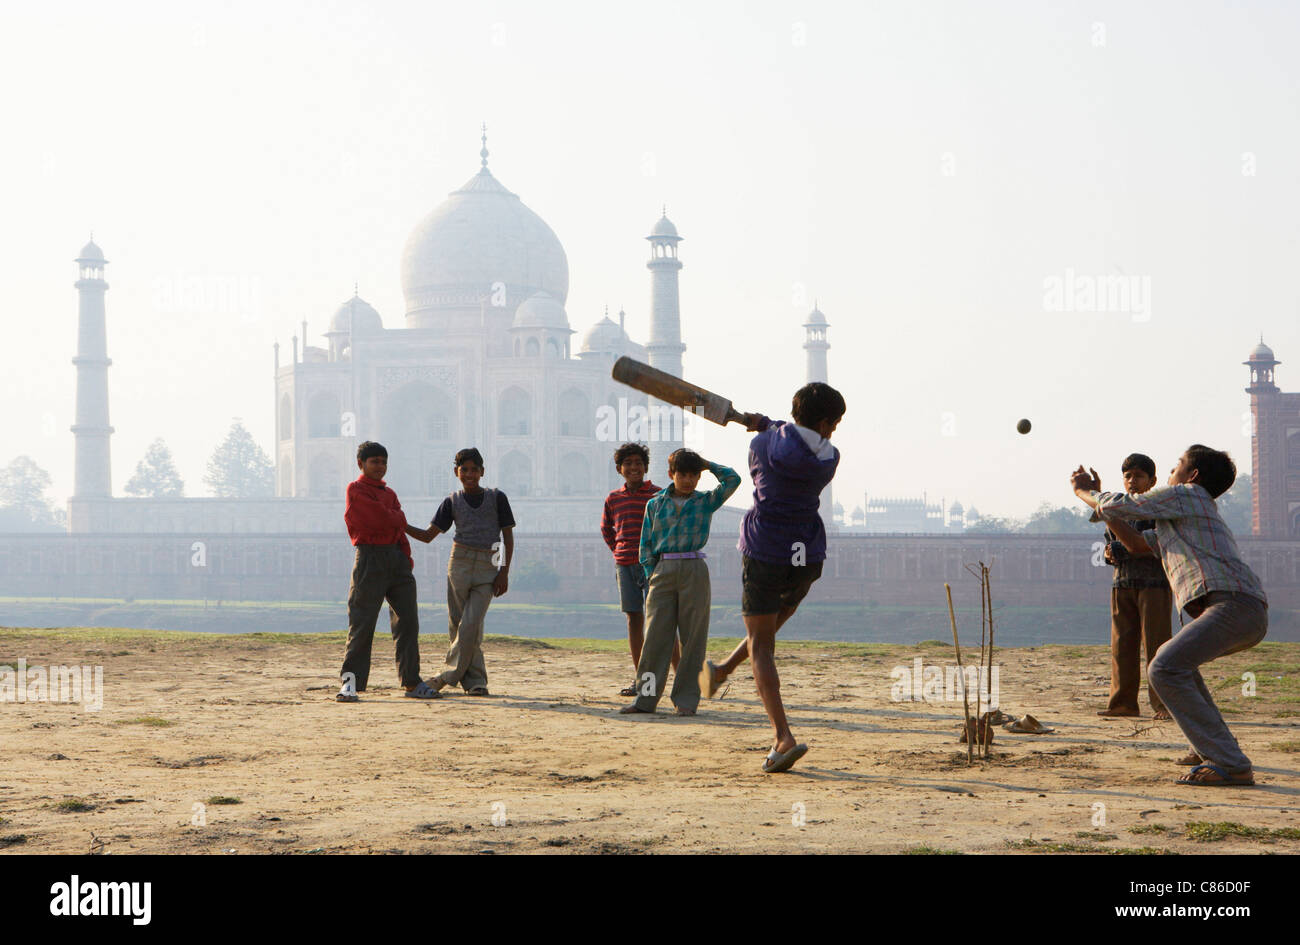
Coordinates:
677 605
470 574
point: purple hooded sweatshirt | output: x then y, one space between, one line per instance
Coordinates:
788 482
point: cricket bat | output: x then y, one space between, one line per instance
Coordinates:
673 390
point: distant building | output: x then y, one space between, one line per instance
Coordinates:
1274 450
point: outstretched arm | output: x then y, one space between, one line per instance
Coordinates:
425 535
1131 538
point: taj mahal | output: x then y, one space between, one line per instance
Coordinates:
486 358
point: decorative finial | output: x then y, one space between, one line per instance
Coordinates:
607 310
665 210
483 153
356 291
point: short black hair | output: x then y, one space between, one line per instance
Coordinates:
628 450
684 460
370 448
1215 469
1139 461
816 402
468 455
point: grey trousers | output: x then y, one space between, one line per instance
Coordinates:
677 605
1226 623
470 573
382 573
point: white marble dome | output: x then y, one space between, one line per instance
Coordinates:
481 236
356 314
541 310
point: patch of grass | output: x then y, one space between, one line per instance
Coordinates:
1046 846
926 850
1095 835
152 721
12 840
1149 828
219 799
73 805
1203 831
1293 745
1050 846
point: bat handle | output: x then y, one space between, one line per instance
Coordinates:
747 420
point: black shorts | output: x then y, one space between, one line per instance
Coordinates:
768 588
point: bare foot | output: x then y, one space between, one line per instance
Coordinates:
682 711
634 709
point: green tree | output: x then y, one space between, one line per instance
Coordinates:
155 475
239 469
1058 520
23 503
1236 507
536 576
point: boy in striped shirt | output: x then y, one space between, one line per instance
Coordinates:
1210 581
675 529
620 526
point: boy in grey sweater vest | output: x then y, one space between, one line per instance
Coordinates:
477 570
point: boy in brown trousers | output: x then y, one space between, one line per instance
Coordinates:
1141 606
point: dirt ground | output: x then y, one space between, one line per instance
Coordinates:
247 727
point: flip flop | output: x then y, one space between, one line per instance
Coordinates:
629 691
423 691
776 762
1028 726
479 691
709 679
1225 779
347 697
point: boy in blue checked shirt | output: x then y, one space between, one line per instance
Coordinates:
1210 581
675 529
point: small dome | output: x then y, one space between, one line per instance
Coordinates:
956 508
91 253
816 318
541 310
356 315
665 228
1262 352
605 335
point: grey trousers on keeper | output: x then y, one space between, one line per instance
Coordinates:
382 573
1228 622
677 605
470 573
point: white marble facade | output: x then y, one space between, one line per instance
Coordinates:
486 359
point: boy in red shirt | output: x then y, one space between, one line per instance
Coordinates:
377 526
620 526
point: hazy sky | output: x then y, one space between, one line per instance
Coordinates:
924 170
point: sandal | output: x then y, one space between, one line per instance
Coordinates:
629 691
423 691
1217 777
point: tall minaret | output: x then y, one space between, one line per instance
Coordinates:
665 347
816 345
91 431
1269 448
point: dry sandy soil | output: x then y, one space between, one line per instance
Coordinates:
547 765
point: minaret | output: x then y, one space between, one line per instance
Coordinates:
815 344
1270 517
665 347
91 431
